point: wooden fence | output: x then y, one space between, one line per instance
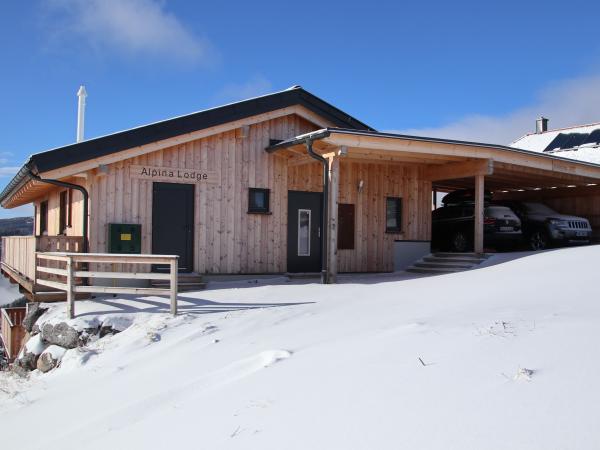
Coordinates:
74 268
18 252
13 332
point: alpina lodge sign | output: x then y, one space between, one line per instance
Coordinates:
173 174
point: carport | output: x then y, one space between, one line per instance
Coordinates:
443 165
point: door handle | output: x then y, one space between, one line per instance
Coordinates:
318 232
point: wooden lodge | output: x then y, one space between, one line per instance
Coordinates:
280 183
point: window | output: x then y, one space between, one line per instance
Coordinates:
304 232
63 212
393 215
345 226
70 211
258 200
43 218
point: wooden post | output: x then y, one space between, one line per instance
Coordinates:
174 279
70 292
334 188
479 205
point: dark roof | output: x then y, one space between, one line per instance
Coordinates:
123 140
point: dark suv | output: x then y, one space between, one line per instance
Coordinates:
543 227
453 227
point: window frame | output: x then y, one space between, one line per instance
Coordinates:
43 227
63 212
399 206
259 210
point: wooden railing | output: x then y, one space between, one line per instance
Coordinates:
18 252
13 332
73 271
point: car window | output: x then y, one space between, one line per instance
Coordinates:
497 211
538 208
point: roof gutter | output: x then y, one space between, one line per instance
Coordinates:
307 139
302 139
18 180
324 210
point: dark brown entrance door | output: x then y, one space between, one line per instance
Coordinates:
304 231
173 223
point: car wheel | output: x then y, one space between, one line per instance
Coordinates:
460 243
538 240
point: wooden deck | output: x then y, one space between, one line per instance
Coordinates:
12 330
18 262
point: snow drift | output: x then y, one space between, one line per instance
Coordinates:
496 358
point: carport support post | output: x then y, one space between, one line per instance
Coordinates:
479 204
332 232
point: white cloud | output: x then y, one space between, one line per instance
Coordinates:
254 87
8 171
133 27
572 102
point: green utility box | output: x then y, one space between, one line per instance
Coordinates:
124 238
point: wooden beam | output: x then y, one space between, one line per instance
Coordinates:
466 150
479 199
459 170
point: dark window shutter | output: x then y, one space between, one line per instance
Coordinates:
345 226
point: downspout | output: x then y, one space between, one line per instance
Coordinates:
324 212
85 195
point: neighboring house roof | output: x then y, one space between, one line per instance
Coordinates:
123 140
581 142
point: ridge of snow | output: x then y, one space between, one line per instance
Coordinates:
499 357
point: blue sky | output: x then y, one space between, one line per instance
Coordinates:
472 69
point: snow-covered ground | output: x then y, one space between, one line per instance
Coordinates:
8 292
503 357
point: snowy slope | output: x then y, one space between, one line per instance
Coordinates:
428 363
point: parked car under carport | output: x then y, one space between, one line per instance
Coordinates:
543 227
453 225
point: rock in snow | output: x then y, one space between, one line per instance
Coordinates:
50 358
60 334
34 312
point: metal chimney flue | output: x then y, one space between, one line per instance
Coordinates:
81 94
541 125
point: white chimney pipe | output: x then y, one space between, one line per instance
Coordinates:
82 94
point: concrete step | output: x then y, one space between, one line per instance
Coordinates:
181 286
185 282
461 255
431 270
443 265
444 262
472 261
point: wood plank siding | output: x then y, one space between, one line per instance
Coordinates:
373 246
226 238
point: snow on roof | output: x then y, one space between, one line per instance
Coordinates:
585 154
539 142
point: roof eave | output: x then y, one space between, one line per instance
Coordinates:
17 182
